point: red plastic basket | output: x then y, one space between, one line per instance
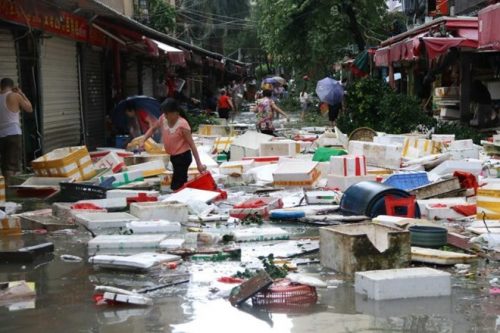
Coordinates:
283 292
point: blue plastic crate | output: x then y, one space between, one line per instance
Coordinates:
408 180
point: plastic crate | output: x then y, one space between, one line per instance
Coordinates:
407 181
71 192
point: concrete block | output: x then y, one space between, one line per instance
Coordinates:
403 283
351 248
170 211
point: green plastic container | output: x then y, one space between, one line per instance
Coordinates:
323 154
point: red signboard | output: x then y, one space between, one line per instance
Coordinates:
51 20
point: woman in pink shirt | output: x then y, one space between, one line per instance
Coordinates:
178 142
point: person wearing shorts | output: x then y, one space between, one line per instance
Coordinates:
12 101
224 106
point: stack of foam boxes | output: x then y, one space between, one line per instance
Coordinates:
347 170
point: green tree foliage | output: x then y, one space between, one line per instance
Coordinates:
313 33
161 16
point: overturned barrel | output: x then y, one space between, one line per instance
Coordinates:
368 198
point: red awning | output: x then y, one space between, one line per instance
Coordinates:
436 46
489 27
382 57
396 52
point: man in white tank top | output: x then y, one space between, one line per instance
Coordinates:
12 101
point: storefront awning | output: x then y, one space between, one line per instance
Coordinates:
436 46
175 56
489 28
381 57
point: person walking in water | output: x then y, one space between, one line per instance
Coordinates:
178 142
12 101
224 105
265 109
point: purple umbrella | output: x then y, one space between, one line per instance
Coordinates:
330 91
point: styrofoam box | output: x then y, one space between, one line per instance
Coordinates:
248 145
149 169
294 171
343 183
422 204
170 211
236 167
154 227
141 261
379 155
125 242
279 148
449 167
189 194
348 165
172 243
403 283
445 138
112 194
324 169
389 139
104 220
115 203
442 213
461 154
461 144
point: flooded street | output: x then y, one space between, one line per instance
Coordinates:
64 301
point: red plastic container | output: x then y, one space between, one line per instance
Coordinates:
206 182
403 207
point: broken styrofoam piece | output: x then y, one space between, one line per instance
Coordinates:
438 257
140 261
423 204
389 139
112 194
125 242
236 167
206 160
154 227
379 155
172 243
115 203
403 283
171 211
188 194
308 280
128 299
279 148
489 241
248 145
260 234
442 212
104 220
329 197
449 167
264 174
427 162
149 169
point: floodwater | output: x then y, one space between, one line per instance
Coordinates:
64 301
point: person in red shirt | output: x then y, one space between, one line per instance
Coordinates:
139 121
224 105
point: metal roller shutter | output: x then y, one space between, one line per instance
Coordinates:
60 94
8 59
131 78
94 102
147 81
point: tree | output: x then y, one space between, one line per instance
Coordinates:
312 34
161 16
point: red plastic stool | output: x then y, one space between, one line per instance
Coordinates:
403 207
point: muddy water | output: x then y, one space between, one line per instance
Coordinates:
64 302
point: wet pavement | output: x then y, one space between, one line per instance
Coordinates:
64 301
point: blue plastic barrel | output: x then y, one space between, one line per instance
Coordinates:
121 141
368 198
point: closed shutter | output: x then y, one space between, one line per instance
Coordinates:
60 94
147 81
94 102
131 78
8 59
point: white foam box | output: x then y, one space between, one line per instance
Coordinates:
324 169
403 283
303 173
248 145
111 161
172 243
189 194
415 147
423 204
140 261
444 138
114 194
236 167
222 144
216 130
389 139
280 148
170 211
125 242
437 212
379 155
154 227
104 220
124 178
264 160
449 167
461 154
348 165
115 203
323 197
343 183
260 234
149 169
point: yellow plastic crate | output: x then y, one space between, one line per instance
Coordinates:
150 146
74 162
222 144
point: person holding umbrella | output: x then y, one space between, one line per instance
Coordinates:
331 92
178 141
